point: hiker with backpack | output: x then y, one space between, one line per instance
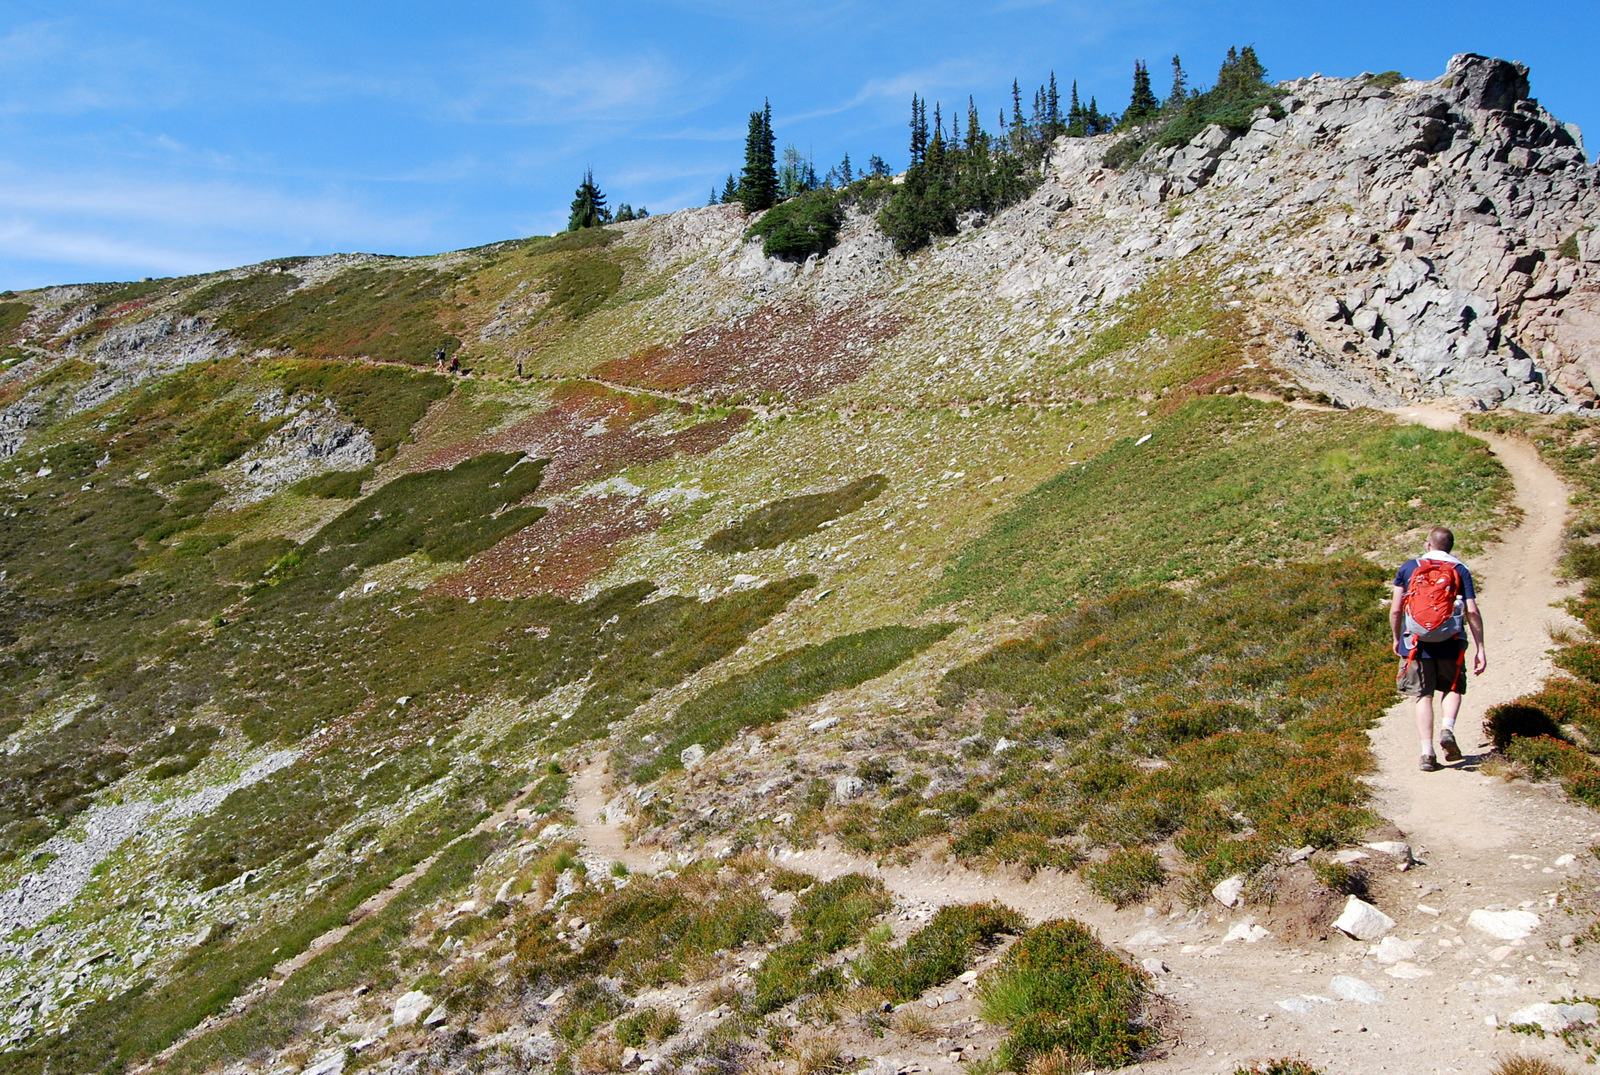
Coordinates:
1434 605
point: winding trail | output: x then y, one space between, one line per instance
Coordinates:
1482 842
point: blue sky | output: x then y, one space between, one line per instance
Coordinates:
164 138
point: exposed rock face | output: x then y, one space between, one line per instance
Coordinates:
129 354
1418 227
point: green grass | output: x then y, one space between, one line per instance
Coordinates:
937 952
774 688
12 315
335 485
387 312
581 283
793 517
1221 482
1060 989
1176 329
238 298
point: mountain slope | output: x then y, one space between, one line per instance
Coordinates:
1048 550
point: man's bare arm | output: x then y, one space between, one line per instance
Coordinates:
1397 615
1480 659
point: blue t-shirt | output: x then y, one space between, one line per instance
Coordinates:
1449 649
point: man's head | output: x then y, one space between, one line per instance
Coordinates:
1441 539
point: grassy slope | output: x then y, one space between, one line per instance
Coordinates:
168 620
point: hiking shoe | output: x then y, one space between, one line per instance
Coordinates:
1429 765
1447 743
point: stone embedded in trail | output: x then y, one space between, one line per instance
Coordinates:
1554 1017
1354 990
1504 925
1229 892
409 1008
1393 848
1363 921
1147 938
1407 970
1393 950
1153 967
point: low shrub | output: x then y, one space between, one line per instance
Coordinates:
1127 875
804 225
1545 756
1518 720
937 952
793 517
648 1025
827 917
1059 988
1287 1065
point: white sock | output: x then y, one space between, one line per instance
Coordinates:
1427 747
1450 724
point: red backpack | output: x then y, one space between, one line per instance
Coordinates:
1431 601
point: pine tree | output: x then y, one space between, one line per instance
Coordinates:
713 199
1180 86
730 190
1143 105
588 205
1077 122
1052 108
1019 125
877 167
845 173
758 184
919 130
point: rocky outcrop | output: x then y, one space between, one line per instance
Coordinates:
1433 235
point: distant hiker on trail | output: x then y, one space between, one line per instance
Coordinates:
1434 602
455 364
438 360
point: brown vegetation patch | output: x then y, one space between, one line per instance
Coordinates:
591 432
559 554
794 351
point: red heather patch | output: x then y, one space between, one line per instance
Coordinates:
589 433
795 352
557 555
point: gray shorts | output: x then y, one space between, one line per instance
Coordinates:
1421 677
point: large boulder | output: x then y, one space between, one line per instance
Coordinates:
1480 82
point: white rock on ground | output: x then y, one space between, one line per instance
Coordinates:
410 1006
1363 921
330 1064
1354 990
1229 892
1504 925
1392 950
1395 849
1554 1017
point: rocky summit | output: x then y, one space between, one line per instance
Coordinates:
631 649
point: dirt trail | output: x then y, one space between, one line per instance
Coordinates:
1484 843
